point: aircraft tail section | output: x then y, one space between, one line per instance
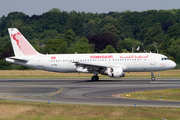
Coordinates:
20 45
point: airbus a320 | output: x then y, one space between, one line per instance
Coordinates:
111 64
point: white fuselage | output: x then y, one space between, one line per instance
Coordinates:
129 62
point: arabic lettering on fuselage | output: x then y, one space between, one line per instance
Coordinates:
100 56
134 56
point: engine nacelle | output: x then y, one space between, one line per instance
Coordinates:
115 72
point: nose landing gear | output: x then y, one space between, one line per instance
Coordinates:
152 76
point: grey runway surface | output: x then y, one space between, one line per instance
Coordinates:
84 91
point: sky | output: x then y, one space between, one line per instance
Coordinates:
37 7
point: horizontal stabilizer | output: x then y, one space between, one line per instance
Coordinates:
18 59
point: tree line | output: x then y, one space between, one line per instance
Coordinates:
61 32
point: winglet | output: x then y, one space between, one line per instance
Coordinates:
20 45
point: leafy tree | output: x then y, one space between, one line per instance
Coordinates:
57 46
5 65
108 49
76 24
108 28
174 49
151 48
54 10
51 33
16 24
102 40
128 43
28 32
174 31
83 46
165 26
69 36
154 34
1 45
142 34
91 28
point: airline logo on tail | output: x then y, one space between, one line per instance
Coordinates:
23 44
14 37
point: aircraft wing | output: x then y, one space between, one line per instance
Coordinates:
99 65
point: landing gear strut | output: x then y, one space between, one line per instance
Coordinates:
152 76
95 77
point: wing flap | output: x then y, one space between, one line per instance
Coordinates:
99 65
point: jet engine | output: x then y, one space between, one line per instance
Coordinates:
115 72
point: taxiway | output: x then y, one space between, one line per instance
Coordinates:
85 91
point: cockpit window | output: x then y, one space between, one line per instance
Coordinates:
164 58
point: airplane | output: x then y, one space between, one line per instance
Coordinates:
111 64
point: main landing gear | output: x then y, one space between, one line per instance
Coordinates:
95 77
152 76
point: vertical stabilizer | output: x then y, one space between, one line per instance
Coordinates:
20 45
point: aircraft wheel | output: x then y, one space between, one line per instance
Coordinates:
95 78
153 78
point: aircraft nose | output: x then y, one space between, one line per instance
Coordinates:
173 64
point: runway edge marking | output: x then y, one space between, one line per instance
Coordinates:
56 92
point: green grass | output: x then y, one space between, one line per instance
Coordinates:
166 94
13 110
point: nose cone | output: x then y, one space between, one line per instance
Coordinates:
173 64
